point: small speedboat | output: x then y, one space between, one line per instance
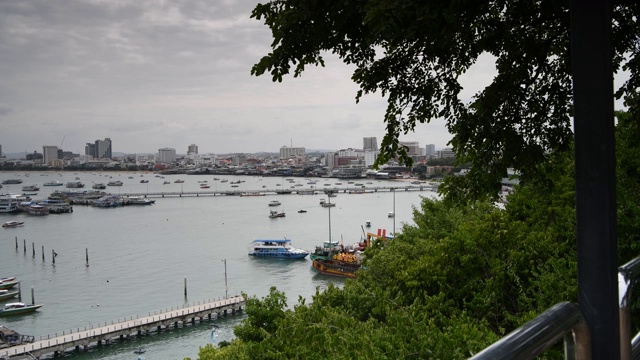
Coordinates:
12 224
18 308
302 211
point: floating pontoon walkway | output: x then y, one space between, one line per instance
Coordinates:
101 333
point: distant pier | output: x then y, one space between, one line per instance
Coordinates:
299 191
82 338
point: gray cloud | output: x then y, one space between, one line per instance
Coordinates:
158 73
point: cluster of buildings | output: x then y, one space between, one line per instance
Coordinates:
346 162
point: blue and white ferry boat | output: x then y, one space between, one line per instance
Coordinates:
276 249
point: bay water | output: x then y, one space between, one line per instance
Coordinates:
139 256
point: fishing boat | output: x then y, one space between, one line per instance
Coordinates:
12 224
8 284
30 188
38 210
276 249
6 294
99 186
276 214
18 308
344 265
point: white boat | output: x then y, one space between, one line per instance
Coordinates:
274 203
9 203
138 200
18 308
56 206
281 249
7 294
276 214
391 214
12 224
53 183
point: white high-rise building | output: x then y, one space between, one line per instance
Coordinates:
167 155
291 152
49 153
370 157
369 143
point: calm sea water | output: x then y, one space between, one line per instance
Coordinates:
139 256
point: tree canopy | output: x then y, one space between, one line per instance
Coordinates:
414 52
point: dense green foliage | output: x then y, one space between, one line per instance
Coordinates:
414 53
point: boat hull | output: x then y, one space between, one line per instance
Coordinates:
279 256
8 285
336 268
20 311
9 295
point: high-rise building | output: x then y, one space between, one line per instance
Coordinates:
291 152
0 150
49 153
193 149
369 143
370 157
90 149
103 149
167 155
430 149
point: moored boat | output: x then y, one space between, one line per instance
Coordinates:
114 183
30 188
274 203
74 185
6 294
337 267
138 200
99 186
8 284
12 224
35 209
280 248
18 308
12 181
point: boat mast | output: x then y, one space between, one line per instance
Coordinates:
329 197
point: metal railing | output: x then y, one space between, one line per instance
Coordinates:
564 320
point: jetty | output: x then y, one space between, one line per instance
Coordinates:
299 191
83 338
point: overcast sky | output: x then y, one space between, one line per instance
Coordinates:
153 74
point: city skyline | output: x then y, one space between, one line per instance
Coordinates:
156 74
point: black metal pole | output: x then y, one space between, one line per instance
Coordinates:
591 63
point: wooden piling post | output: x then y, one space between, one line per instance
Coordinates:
19 292
16 243
24 246
33 298
33 249
53 256
86 251
42 253
185 287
